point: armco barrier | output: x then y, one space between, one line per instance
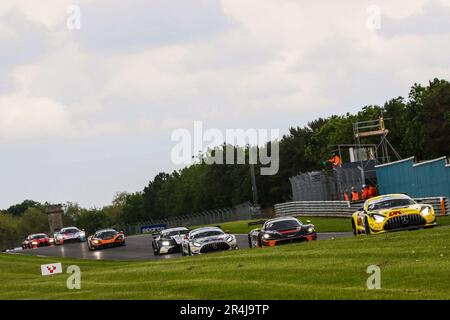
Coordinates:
217 216
440 204
315 208
345 208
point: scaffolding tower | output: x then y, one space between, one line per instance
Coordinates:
374 128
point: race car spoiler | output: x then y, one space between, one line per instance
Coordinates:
255 223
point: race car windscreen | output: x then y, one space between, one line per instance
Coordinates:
38 236
174 233
390 203
204 234
283 225
68 231
106 235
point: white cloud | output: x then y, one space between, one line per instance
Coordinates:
24 117
271 63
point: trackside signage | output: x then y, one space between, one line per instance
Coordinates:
49 269
153 228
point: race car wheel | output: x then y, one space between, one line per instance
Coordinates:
155 249
250 244
355 232
189 250
259 242
366 227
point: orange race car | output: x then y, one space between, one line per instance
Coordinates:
106 238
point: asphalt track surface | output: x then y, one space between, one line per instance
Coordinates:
137 248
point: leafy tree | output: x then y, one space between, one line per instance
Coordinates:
91 220
20 208
9 227
33 220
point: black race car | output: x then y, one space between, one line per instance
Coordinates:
168 240
280 230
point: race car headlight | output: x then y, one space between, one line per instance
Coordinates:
34 242
310 230
196 244
120 238
229 239
425 211
378 218
51 240
266 236
166 243
60 237
82 234
95 241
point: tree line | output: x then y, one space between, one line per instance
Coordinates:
419 125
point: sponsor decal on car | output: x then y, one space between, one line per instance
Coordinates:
394 213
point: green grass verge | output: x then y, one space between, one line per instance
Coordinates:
443 221
414 265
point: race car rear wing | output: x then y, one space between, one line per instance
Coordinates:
255 223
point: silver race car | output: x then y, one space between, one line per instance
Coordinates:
209 239
168 240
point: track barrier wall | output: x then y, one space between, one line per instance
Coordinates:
244 211
345 208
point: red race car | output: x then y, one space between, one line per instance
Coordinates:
37 240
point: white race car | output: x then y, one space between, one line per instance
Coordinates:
69 234
209 239
168 240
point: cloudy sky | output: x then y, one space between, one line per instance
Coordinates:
86 113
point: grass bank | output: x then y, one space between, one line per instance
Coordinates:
414 265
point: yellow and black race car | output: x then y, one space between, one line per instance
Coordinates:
390 213
106 238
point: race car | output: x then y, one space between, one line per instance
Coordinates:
37 240
106 238
208 239
279 231
391 212
69 234
168 240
